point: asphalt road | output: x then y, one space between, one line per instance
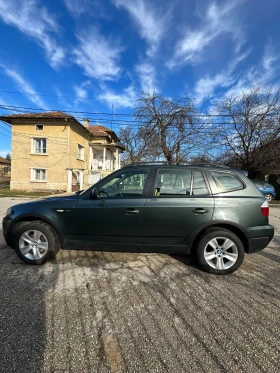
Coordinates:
113 312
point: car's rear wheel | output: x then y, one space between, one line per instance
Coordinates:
35 241
220 251
269 197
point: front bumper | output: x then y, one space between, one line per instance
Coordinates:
259 237
5 225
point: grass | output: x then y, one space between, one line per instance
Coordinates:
6 192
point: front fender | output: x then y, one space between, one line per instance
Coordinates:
30 217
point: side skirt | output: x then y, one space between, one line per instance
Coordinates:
124 247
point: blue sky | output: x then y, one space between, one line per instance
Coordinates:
87 55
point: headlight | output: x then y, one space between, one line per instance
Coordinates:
9 211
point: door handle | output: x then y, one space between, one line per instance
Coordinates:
199 211
131 211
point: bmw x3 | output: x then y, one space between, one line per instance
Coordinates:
214 213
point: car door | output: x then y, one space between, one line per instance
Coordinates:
115 214
179 202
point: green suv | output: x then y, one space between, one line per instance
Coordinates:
214 213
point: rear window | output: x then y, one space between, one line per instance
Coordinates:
226 181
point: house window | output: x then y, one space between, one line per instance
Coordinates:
38 174
80 152
7 169
39 127
40 146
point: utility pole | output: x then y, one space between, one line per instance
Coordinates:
112 117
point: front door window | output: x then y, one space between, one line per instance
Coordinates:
130 183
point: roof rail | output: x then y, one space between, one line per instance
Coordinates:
175 164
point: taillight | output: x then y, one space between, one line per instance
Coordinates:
265 208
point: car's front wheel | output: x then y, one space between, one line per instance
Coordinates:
35 241
220 251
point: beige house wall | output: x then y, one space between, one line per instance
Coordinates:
62 155
54 161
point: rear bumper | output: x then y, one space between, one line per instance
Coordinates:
259 237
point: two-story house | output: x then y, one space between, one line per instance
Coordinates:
5 167
53 151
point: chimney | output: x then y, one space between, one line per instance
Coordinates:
86 122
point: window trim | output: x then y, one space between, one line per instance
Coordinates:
32 150
214 187
153 183
206 183
81 146
119 172
32 173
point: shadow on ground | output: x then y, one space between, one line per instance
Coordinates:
136 313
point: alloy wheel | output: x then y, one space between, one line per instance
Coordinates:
221 253
33 244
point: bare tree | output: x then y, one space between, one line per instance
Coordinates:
172 125
248 125
138 143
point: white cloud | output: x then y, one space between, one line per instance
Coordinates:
151 21
216 21
206 86
81 8
35 22
230 83
269 57
265 73
81 90
24 86
126 99
98 56
77 7
147 76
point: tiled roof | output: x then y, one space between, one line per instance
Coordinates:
3 160
99 131
47 114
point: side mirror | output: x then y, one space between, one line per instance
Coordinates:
94 193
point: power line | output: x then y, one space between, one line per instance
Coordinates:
23 109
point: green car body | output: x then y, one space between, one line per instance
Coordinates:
151 208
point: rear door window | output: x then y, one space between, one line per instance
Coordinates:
172 182
226 181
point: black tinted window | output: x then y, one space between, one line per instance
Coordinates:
173 182
226 181
199 185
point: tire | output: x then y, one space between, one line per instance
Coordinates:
220 251
35 242
269 197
